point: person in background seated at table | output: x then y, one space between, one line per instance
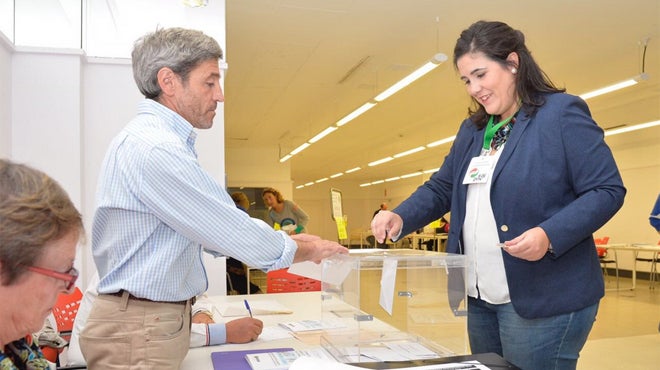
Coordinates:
241 200
528 180
204 330
157 208
383 207
235 268
39 231
285 213
654 219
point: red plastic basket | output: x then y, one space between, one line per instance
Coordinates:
281 281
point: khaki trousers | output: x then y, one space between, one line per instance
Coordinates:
125 333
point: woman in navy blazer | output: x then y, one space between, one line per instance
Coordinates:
528 179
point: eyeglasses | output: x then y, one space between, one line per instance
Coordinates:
69 277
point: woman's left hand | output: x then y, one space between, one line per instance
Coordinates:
531 245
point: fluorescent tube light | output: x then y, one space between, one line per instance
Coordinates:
393 178
365 107
337 175
419 72
411 151
440 142
631 128
353 169
322 134
411 175
377 182
615 87
300 148
300 186
285 158
380 161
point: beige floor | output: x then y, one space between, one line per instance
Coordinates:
625 335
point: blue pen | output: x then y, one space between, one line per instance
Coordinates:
247 305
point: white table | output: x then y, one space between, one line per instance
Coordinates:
438 240
634 248
306 306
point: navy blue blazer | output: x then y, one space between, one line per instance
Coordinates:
556 172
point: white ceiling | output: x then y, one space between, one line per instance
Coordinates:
292 72
298 66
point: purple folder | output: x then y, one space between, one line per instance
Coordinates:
235 360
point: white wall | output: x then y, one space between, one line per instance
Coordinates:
46 115
6 50
259 168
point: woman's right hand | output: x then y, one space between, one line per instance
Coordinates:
386 224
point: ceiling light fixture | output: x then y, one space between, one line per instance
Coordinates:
351 116
614 87
640 126
435 61
300 148
380 161
440 142
322 134
408 152
627 83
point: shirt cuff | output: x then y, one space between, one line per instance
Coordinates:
217 334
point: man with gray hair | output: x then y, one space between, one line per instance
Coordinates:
156 208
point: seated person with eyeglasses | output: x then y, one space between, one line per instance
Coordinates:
39 231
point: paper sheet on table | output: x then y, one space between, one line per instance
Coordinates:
258 307
306 363
273 333
337 270
387 280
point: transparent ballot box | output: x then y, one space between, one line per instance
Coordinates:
394 304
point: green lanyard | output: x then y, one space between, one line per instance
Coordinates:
491 130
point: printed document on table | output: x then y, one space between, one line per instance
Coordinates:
283 360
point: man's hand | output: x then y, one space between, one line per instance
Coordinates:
243 330
202 317
313 248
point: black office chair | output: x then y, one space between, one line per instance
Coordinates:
653 259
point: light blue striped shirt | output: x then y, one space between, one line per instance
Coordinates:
157 208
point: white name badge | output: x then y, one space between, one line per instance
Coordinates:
479 170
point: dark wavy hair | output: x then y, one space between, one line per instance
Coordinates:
496 40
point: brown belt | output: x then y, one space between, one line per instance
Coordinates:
134 298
